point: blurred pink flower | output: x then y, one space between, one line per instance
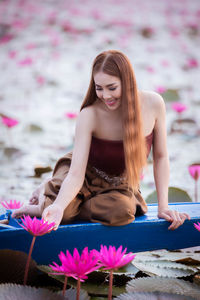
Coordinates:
12 204
112 258
192 63
150 69
26 61
194 171
19 24
165 63
9 122
71 115
35 226
96 14
197 226
40 80
51 18
6 38
178 107
160 89
12 53
30 46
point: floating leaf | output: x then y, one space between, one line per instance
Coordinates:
171 95
184 125
23 292
164 269
92 286
179 257
152 296
39 170
175 195
34 128
13 267
165 285
71 294
196 279
12 151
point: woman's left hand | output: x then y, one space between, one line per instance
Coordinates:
173 216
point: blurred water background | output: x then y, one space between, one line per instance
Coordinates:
46 52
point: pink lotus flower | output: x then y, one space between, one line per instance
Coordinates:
12 54
192 63
197 226
6 39
79 265
9 122
40 80
194 171
160 89
36 227
112 259
76 265
61 270
12 204
26 61
178 107
71 115
30 46
150 69
165 63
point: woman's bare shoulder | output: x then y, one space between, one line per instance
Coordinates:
152 99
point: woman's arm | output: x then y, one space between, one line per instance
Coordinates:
75 178
161 166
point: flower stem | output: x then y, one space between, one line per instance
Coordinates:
64 286
28 260
78 289
110 285
196 192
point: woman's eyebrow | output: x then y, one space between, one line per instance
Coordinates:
107 84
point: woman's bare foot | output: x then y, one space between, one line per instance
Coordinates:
31 210
34 200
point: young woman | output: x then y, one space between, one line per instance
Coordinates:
116 127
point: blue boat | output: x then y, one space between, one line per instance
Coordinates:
145 233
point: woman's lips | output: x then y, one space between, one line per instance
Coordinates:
111 102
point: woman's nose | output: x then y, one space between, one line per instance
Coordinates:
106 95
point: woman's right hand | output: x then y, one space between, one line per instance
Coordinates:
53 213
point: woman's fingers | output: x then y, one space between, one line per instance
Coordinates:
178 219
173 216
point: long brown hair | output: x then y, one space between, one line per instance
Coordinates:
116 64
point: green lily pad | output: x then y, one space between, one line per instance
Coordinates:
183 125
175 195
40 170
13 267
171 95
34 128
164 285
23 292
93 286
12 151
152 296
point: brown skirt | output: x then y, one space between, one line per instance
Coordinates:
98 200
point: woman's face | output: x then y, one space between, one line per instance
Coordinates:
108 89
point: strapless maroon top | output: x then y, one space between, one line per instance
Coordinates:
108 155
